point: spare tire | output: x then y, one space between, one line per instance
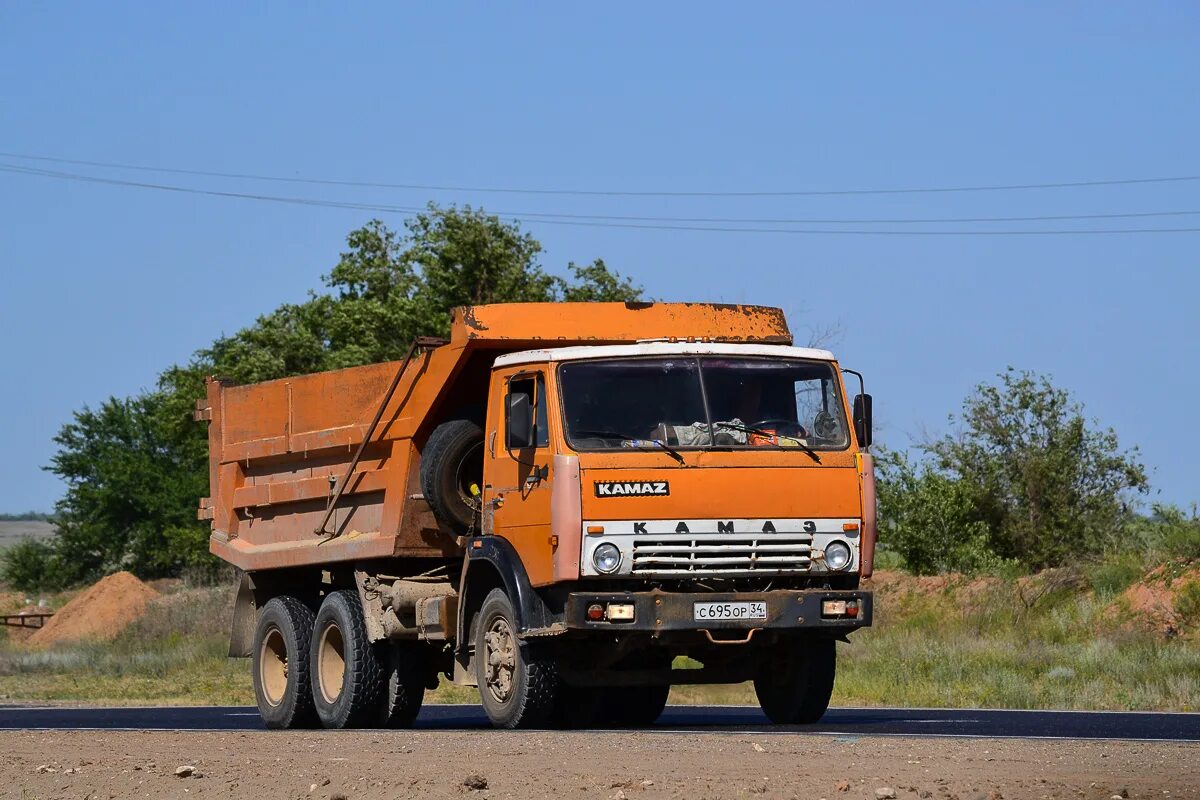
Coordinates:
451 463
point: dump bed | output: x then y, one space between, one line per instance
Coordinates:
280 451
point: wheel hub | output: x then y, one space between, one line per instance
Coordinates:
500 659
331 664
273 667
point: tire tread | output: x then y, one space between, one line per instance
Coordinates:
364 686
295 621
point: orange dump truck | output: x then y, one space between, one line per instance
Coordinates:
550 506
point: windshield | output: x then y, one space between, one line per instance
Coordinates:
702 402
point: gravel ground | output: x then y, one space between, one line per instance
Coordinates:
607 766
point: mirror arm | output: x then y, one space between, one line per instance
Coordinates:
862 388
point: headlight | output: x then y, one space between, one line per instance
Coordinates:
606 558
837 555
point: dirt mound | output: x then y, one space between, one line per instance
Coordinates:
1158 602
100 612
961 586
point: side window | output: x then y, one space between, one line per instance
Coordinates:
526 416
541 429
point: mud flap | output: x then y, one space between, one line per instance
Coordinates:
245 618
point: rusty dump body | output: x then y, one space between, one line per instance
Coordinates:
641 480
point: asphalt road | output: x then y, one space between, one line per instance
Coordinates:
676 719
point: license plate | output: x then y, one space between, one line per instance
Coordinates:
727 611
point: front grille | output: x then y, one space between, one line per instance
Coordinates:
722 554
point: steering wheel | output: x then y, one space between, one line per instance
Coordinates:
825 426
798 429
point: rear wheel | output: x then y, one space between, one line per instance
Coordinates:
280 664
404 684
348 671
518 683
796 684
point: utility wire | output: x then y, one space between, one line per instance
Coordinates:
604 193
597 222
545 216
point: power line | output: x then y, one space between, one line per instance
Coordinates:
606 193
858 221
543 215
592 222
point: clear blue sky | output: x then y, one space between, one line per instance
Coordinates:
104 285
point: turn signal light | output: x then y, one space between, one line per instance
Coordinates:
620 612
595 612
833 608
851 609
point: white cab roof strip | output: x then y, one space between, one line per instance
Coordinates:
661 349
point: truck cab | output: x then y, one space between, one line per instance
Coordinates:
681 462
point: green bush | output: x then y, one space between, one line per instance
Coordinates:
1115 573
1174 532
927 519
1187 602
30 566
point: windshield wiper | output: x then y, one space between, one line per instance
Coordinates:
671 451
763 432
637 443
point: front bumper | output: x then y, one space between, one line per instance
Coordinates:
660 612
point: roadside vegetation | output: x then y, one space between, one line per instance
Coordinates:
1060 639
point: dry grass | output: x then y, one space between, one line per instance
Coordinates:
936 642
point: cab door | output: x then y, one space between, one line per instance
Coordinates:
516 493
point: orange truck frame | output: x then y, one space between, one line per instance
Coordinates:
552 506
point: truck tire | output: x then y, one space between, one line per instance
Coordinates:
348 670
280 664
404 684
634 706
578 706
518 683
451 462
795 686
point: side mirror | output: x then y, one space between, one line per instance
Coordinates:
518 421
862 419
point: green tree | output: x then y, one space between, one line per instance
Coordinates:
135 467
132 471
389 288
1025 470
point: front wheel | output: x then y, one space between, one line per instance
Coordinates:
517 683
797 681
